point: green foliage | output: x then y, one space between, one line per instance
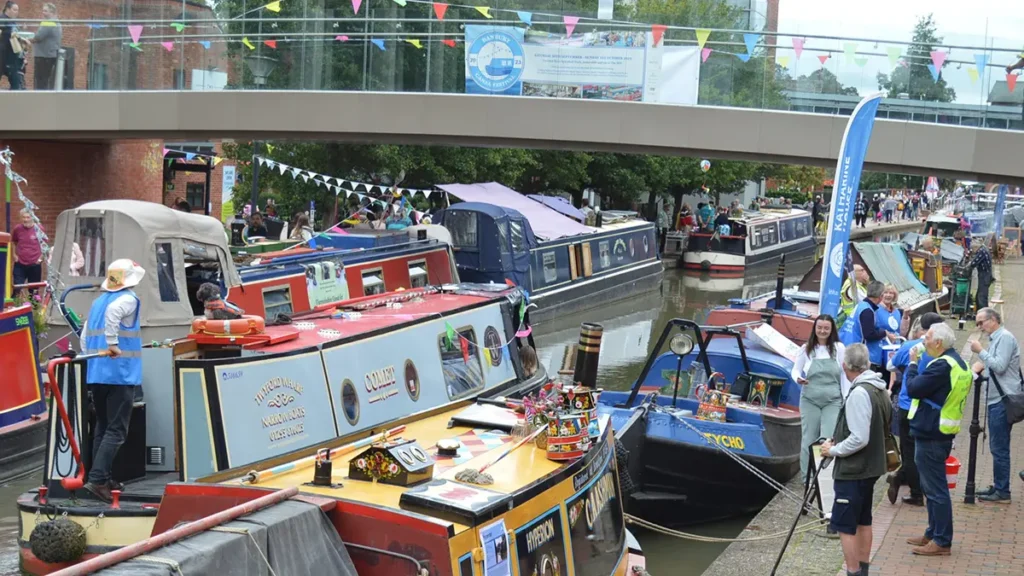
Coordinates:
821 81
916 80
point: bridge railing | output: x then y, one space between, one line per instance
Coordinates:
510 48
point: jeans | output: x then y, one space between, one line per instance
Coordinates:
930 457
907 474
113 404
984 284
859 219
999 444
44 72
888 215
662 236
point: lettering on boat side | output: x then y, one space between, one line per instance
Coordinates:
540 546
598 497
274 384
286 424
540 534
225 375
597 543
583 476
380 384
726 441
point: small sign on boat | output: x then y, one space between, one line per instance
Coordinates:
494 539
770 338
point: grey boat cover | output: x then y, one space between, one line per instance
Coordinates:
295 538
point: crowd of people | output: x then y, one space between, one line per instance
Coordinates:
885 208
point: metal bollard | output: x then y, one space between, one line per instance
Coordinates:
587 354
58 82
975 430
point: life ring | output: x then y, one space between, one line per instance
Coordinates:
705 265
247 325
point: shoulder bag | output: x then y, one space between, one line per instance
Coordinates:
1014 403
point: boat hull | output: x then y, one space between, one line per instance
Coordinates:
21 448
713 261
597 291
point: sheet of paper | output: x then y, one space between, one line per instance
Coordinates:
494 540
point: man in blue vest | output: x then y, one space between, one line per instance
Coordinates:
112 331
861 327
938 394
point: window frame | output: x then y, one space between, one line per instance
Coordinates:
168 247
421 263
377 272
289 300
469 333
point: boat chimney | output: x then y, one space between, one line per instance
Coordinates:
778 282
587 354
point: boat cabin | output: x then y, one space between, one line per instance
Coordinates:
945 225
750 239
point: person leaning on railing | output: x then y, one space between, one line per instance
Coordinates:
12 48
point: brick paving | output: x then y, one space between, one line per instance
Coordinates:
988 539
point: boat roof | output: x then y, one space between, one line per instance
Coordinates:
522 469
546 222
771 214
319 327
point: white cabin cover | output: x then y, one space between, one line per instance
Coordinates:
107 230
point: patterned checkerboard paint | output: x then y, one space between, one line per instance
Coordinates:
471 444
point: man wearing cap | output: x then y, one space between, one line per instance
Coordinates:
112 331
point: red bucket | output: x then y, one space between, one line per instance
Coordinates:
952 469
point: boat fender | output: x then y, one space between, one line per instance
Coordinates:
705 265
622 463
58 540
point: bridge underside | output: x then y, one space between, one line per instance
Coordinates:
457 119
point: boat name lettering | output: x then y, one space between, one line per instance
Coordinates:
282 417
583 476
288 432
274 384
378 379
597 498
21 321
538 536
225 375
726 441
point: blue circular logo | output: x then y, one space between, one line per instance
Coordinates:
495 61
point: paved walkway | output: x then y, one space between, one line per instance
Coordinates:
988 538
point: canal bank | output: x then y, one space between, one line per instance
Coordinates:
987 536
872 229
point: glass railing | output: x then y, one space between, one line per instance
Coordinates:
418 46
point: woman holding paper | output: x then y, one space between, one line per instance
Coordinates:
818 370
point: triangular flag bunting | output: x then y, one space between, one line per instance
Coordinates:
439 10
271 43
295 172
850 48
245 40
484 10
449 42
524 17
784 61
217 160
658 31
744 57
704 53
487 351
861 61
378 43
270 148
400 2
355 5
341 38
465 350
934 71
894 53
274 6
305 177
189 156
822 58
415 43
570 24
448 330
981 61
135 30
281 168
751 41
169 46
798 46
166 150
178 26
205 43
938 58
136 46
702 36
973 73
1011 81
261 161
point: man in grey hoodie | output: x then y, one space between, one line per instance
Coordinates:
859 450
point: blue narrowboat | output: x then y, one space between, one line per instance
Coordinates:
501 236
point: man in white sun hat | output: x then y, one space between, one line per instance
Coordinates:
112 329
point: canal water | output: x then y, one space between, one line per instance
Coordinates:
631 328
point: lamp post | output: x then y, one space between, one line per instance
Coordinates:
975 430
260 67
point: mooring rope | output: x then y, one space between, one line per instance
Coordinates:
716 540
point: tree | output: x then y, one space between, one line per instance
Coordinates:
821 81
913 77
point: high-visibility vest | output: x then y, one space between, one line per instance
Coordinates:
126 369
846 305
952 410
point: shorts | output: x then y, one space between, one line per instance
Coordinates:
853 502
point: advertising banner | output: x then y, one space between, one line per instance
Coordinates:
606 65
847 183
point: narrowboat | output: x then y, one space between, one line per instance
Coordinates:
182 251
503 237
945 224
250 397
717 407
23 415
754 238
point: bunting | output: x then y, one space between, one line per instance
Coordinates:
751 41
704 53
485 11
341 38
822 58
861 61
850 48
178 26
245 40
973 73
798 46
439 10
934 71
415 43
570 24
525 17
325 181
702 36
938 58
205 43
379 44
274 6
784 61
135 31
894 53
658 32
450 43
981 61
744 57
1011 81
355 6
169 46
271 43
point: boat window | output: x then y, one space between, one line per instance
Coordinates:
550 267
349 402
92 243
765 235
418 276
373 282
503 244
165 272
460 362
518 238
412 380
605 254
462 226
787 230
803 227
277 300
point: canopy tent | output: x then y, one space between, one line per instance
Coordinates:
547 224
491 243
560 205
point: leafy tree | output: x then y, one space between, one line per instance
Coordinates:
821 81
914 78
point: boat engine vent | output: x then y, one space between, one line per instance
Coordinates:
154 455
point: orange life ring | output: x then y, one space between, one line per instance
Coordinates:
247 325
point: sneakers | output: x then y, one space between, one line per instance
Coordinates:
100 492
995 497
990 490
913 500
931 549
919 541
894 488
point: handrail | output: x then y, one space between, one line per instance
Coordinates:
75 483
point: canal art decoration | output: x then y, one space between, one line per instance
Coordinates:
540 546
